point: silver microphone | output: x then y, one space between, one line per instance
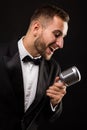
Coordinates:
70 76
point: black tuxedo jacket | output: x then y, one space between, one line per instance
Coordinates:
12 115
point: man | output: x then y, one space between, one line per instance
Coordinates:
30 93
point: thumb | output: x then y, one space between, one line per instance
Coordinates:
56 79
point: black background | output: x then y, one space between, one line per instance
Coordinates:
14 18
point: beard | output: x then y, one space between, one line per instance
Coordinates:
41 48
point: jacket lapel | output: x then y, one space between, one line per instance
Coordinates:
42 81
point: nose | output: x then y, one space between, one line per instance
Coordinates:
60 42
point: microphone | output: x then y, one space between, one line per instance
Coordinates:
70 76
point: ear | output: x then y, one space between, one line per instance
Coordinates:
36 28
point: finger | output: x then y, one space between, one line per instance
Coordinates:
55 97
57 92
58 82
53 92
55 88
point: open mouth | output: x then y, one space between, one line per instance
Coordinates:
51 49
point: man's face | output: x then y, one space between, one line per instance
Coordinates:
51 38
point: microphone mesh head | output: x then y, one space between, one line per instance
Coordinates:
70 76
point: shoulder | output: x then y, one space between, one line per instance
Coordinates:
3 48
8 48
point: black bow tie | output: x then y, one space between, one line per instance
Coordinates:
29 59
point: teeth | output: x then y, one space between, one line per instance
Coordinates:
52 49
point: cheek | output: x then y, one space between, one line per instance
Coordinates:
48 38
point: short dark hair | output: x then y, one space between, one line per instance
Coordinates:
49 11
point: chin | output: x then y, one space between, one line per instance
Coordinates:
48 57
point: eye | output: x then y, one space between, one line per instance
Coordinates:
57 33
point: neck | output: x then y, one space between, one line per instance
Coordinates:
28 44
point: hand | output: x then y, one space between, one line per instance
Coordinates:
56 92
